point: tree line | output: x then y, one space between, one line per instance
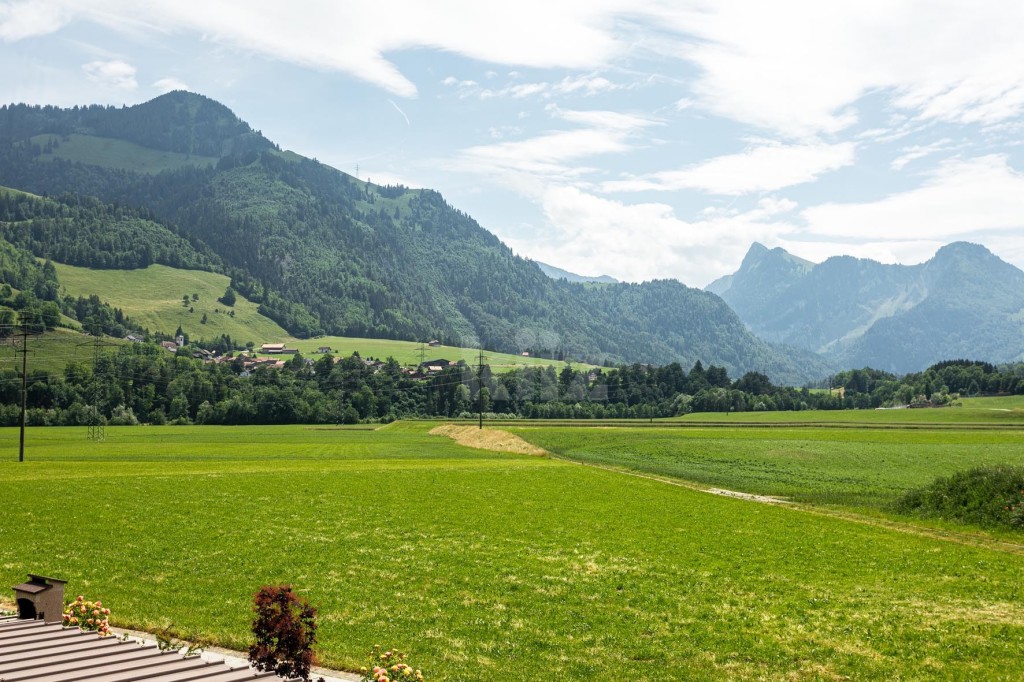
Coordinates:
145 383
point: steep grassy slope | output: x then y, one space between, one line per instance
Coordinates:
152 297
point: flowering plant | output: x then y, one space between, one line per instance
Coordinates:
389 666
87 615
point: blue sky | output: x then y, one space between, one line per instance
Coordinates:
641 139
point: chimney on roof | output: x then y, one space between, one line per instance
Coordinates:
41 598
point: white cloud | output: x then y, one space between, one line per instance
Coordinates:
114 73
760 168
585 85
27 19
961 197
547 156
798 66
919 151
355 37
635 242
171 83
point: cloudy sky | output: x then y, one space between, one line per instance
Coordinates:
636 138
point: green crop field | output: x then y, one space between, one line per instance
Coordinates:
497 566
111 153
152 297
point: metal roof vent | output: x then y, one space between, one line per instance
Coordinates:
41 598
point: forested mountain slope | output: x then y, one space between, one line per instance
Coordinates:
964 302
323 252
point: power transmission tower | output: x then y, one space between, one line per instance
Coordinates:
480 388
97 429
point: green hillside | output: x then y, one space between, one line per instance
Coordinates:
111 153
152 297
323 253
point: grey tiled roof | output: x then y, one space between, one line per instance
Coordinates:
34 651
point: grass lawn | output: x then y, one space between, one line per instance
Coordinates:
496 566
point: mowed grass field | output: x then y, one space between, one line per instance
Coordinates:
494 566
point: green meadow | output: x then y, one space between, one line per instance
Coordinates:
486 565
152 297
110 153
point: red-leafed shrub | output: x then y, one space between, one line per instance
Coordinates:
285 630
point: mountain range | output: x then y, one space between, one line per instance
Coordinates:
182 181
964 302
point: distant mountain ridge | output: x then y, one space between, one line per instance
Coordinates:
322 252
558 273
965 302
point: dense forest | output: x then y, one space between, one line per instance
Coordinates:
324 253
81 230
